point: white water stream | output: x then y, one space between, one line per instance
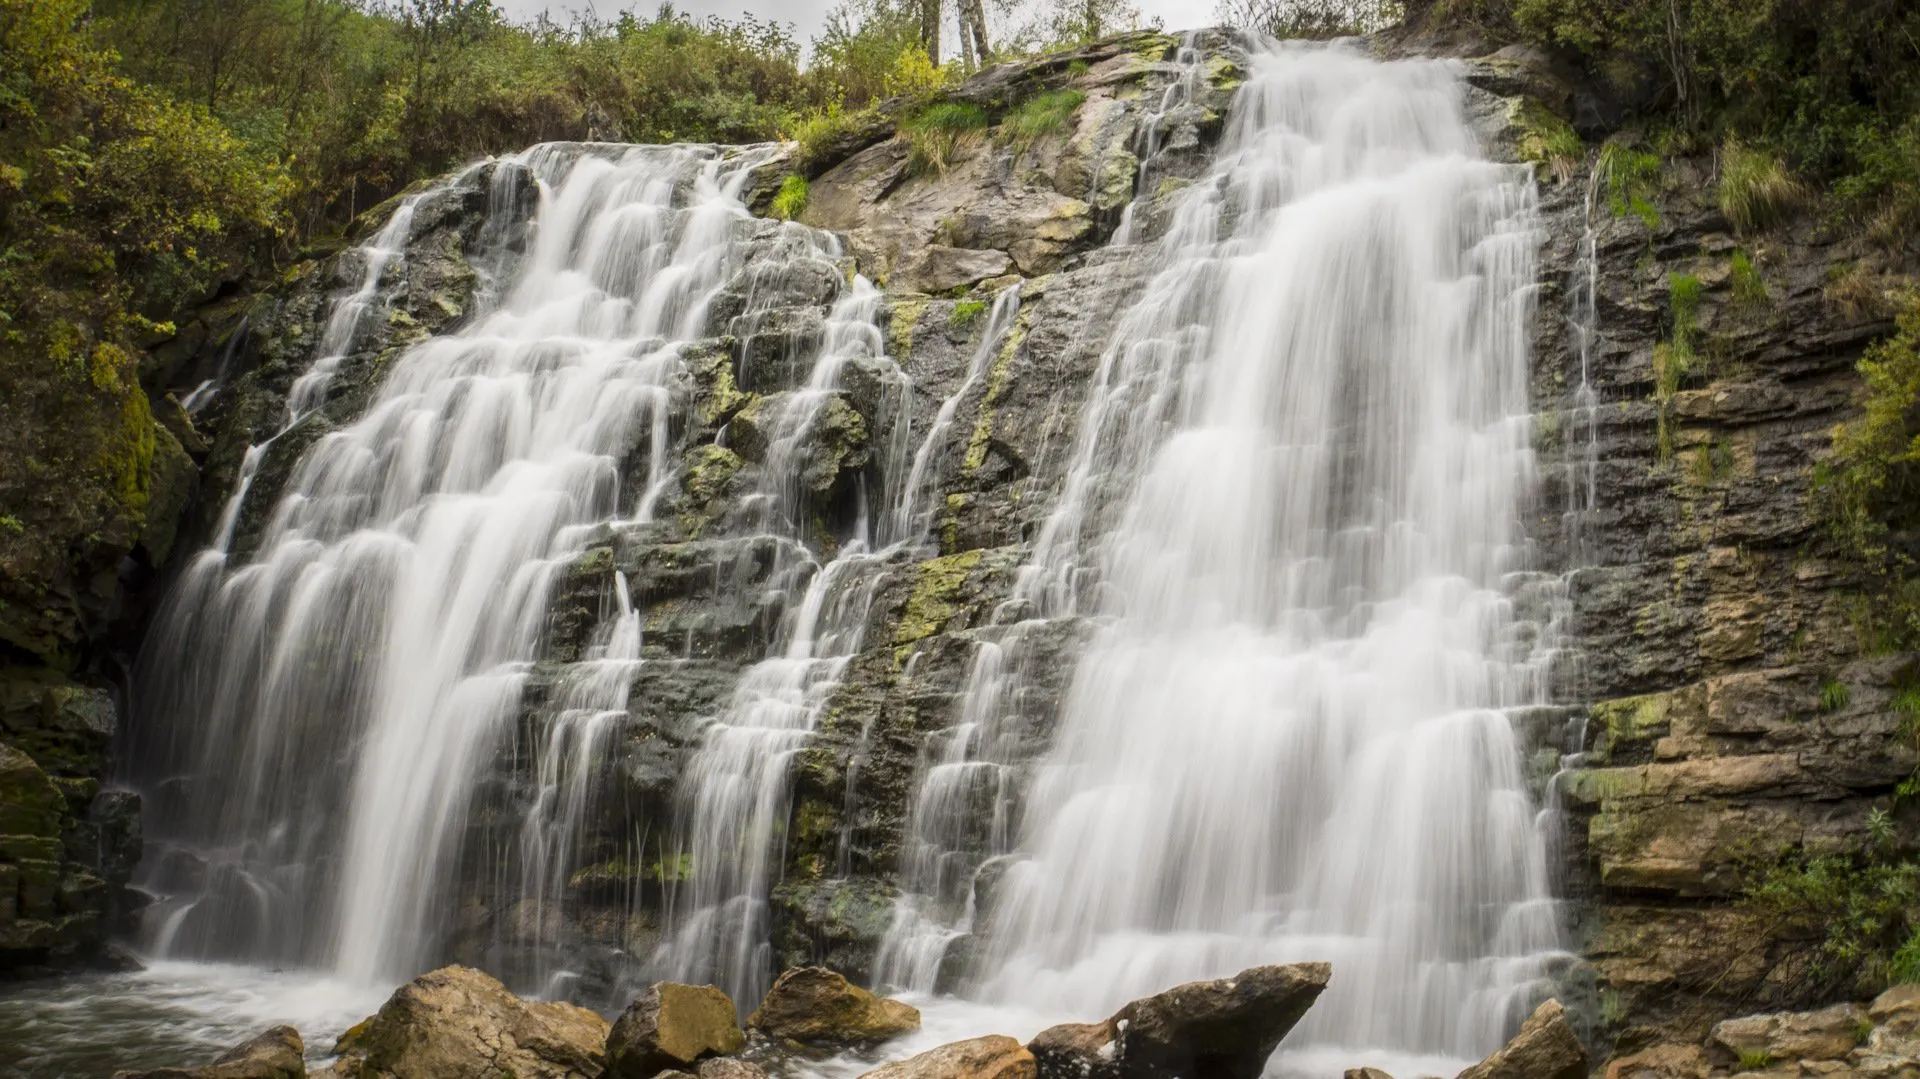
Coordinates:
1294 517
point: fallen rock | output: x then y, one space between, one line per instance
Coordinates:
815 1006
1545 1048
995 1056
1827 1034
1366 1073
460 1023
1223 1029
1077 1051
670 1027
277 1054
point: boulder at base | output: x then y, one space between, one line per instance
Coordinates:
995 1056
1367 1073
277 1054
1222 1029
459 1023
1545 1048
671 1026
815 1006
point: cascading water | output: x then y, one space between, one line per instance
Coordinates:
343 689
1293 517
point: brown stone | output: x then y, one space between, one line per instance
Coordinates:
278 1054
995 1056
815 1006
1366 1073
460 1023
671 1026
1827 1034
1662 1062
1077 1051
1545 1048
726 1068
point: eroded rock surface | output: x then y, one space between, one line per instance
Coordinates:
815 1006
993 1057
1546 1048
673 1027
460 1023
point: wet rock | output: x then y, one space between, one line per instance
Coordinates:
993 1057
1222 1029
278 1054
726 1068
1077 1051
672 1026
460 1023
815 1006
1545 1048
1366 1073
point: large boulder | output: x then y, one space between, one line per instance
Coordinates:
817 1007
671 1026
1221 1029
278 1054
995 1056
460 1023
1545 1048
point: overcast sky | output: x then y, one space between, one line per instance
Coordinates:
807 15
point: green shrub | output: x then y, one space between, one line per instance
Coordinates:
937 133
1632 179
965 313
1754 1060
1548 141
1755 190
1749 288
1040 115
1844 923
791 200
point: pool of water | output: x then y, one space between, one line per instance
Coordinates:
172 1014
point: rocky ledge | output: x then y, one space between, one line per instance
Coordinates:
460 1023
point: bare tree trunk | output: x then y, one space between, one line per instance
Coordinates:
973 16
930 29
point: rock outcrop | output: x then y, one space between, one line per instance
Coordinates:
1846 1041
277 1054
1546 1048
672 1027
1222 1029
459 1023
814 1006
993 1057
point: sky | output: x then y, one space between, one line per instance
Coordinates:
808 15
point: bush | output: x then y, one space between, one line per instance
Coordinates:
1845 923
1755 190
1632 179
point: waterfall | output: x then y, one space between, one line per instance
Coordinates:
1293 525
332 702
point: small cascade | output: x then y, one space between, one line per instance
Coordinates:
1291 525
343 691
585 713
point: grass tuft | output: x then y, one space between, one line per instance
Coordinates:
1040 115
1756 190
936 134
1633 179
791 200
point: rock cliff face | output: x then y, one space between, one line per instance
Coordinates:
1712 613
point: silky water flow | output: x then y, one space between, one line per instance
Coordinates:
1292 530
